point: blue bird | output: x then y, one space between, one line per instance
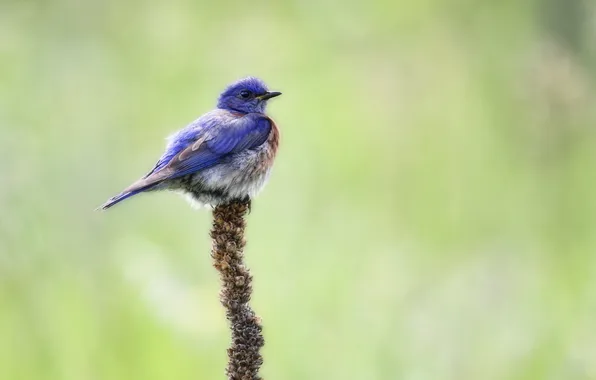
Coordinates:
224 155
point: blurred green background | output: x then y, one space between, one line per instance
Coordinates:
431 214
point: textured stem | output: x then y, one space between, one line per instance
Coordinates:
228 243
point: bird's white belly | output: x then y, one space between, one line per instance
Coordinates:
243 175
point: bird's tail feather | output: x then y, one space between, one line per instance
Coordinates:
141 185
117 199
124 195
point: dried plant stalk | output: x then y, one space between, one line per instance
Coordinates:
227 253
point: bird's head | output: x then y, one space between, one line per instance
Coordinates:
246 95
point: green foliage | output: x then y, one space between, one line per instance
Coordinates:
430 216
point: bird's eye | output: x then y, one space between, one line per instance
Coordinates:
245 94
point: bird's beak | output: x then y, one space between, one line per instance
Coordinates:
269 95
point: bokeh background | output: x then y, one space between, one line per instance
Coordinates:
431 214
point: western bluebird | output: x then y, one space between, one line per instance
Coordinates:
225 154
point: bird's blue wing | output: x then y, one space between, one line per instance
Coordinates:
193 151
210 151
209 148
177 143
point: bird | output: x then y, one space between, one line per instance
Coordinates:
224 155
